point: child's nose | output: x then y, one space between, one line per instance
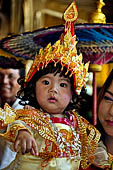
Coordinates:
53 88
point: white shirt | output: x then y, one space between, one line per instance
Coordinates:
6 154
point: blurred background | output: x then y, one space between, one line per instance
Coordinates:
27 15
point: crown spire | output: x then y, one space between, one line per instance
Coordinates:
64 52
70 16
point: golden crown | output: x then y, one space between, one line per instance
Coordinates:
64 52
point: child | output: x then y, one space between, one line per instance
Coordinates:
53 135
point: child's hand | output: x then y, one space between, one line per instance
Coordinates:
27 143
28 107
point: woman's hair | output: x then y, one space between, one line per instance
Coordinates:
100 97
28 93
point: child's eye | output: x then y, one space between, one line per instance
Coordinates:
109 99
63 84
46 82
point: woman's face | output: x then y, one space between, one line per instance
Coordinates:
53 93
105 112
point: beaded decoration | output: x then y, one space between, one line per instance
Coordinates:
64 52
79 143
7 115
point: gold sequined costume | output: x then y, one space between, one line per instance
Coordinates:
62 142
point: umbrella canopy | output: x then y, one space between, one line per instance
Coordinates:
10 63
95 41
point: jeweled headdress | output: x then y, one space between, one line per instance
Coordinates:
64 52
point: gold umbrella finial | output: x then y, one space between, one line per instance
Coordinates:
98 16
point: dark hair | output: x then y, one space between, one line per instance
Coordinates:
21 72
100 97
29 90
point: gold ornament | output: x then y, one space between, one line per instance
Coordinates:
64 52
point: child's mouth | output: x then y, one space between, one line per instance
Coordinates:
52 99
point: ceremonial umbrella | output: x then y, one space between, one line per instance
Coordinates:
95 41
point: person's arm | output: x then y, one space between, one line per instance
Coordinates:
15 130
22 137
27 143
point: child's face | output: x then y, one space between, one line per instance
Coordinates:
53 93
